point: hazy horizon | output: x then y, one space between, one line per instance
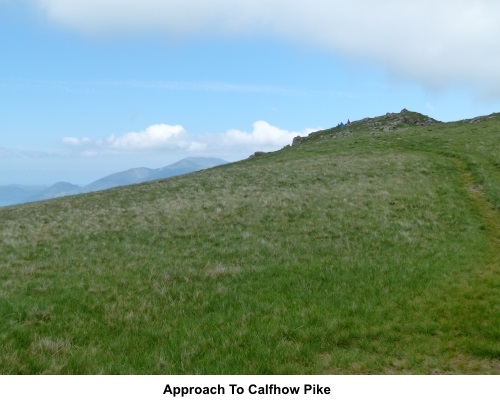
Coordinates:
99 173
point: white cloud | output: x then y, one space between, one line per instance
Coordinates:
439 43
174 138
263 135
154 137
175 17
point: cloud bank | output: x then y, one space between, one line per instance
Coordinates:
163 137
155 137
263 135
438 43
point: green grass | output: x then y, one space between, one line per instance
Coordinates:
375 252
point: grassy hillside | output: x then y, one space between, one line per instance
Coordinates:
372 248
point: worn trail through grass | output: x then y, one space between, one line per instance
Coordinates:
468 305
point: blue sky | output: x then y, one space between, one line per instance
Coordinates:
89 88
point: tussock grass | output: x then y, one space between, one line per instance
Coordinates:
360 254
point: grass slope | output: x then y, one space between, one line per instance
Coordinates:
372 248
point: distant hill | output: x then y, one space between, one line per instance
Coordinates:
124 178
59 189
17 194
184 166
141 174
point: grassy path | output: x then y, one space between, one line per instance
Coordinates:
468 306
478 314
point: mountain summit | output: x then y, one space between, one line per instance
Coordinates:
383 123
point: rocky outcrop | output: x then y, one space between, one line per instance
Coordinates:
256 154
483 117
298 140
377 125
391 121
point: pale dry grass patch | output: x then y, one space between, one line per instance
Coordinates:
218 269
51 346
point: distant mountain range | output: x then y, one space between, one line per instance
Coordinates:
17 194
